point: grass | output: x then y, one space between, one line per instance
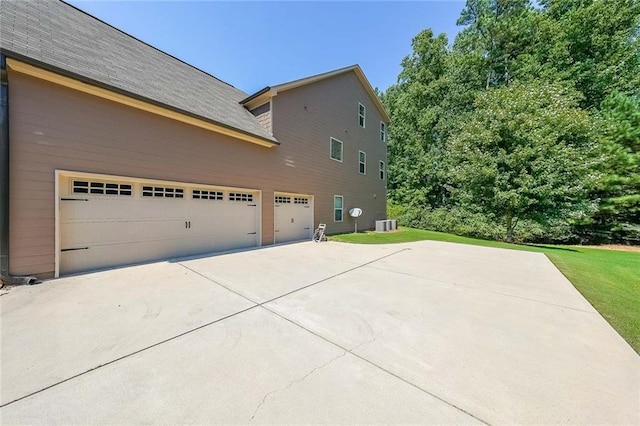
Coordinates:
608 279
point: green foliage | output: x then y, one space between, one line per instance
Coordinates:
500 40
461 221
416 155
453 220
500 128
618 190
394 211
597 46
524 155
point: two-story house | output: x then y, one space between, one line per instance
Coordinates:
114 152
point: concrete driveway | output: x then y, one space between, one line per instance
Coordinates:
332 333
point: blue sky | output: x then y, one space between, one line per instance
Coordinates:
255 44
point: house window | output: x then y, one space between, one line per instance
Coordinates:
362 163
383 170
383 132
336 149
337 208
362 112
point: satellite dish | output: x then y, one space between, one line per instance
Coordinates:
355 212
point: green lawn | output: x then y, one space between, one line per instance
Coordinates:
608 279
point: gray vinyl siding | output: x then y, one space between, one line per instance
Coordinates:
263 115
308 117
55 128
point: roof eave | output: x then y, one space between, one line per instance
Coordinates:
34 68
255 95
265 94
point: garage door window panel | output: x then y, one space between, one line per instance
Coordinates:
240 196
282 200
201 194
101 188
162 192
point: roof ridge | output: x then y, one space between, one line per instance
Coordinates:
150 45
335 71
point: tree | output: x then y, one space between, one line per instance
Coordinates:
468 104
417 174
619 187
597 48
499 41
523 155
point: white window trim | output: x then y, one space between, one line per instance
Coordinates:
383 132
341 209
363 115
383 169
331 139
362 162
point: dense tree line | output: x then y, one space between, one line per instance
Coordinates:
526 127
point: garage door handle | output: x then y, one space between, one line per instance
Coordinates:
76 248
187 224
251 233
74 199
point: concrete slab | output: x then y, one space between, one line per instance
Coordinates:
63 327
503 358
252 368
262 275
427 332
518 273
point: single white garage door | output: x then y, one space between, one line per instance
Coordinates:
293 217
108 222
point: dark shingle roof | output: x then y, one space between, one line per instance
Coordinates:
56 34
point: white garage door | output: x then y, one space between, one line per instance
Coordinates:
108 222
293 217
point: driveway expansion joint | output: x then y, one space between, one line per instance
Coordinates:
256 304
345 350
455 284
379 367
113 361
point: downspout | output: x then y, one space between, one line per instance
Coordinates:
4 168
4 181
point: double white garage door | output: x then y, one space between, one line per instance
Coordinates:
107 222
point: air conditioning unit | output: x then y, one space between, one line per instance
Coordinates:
386 225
